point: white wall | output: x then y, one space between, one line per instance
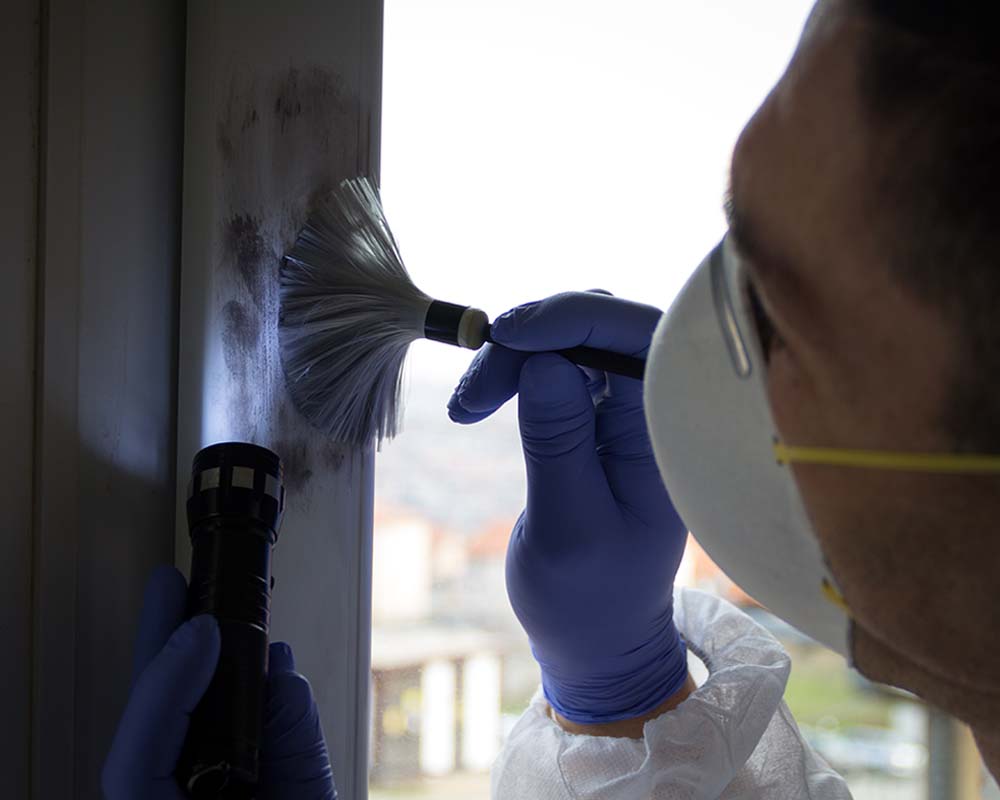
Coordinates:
90 219
437 717
480 711
19 75
401 571
89 313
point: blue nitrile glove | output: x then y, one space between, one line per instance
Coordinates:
172 666
592 559
294 764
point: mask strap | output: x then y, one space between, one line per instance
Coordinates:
830 593
948 463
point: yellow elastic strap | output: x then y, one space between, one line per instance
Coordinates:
830 593
955 463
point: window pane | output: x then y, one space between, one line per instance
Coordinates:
531 147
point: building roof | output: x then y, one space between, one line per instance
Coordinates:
415 645
491 541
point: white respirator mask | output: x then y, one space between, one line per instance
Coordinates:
714 439
727 472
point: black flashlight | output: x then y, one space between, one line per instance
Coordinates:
235 502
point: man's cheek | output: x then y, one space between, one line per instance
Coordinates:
797 415
855 519
834 500
826 504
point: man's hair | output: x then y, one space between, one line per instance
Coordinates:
930 86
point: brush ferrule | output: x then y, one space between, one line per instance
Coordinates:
462 326
443 321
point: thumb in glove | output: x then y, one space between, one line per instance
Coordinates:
151 732
294 763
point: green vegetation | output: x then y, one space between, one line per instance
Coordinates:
515 706
822 691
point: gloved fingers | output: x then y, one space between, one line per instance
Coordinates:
118 786
280 658
594 319
641 496
294 761
281 782
290 715
162 613
568 319
150 735
621 430
172 685
489 382
566 482
597 383
626 454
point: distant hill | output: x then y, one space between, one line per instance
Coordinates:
461 477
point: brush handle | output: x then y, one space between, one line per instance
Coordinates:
465 326
606 361
595 358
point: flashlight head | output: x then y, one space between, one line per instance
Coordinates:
236 481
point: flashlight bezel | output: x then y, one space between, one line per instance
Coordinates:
236 479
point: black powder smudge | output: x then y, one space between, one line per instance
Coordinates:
240 333
287 105
314 92
225 130
224 143
296 462
332 454
249 118
248 252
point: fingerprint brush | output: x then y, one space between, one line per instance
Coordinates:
349 312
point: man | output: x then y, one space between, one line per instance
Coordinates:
862 246
864 185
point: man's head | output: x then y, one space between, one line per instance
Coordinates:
864 196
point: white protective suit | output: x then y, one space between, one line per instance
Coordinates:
733 738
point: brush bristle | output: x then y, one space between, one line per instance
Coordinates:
349 312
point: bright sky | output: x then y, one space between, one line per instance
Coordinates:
535 146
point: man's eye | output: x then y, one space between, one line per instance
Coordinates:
770 340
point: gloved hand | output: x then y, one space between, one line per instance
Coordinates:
173 664
592 559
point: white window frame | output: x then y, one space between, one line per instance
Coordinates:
282 101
